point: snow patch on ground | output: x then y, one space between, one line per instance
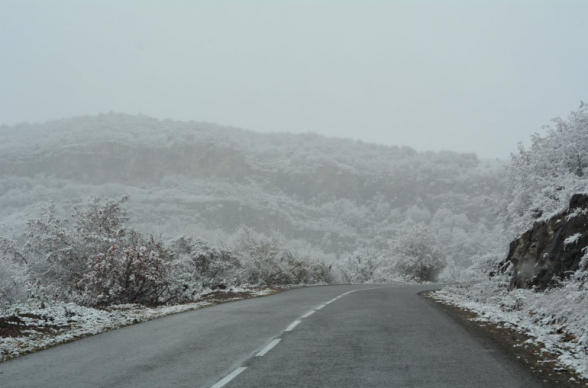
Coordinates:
554 320
42 325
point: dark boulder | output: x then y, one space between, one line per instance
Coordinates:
552 249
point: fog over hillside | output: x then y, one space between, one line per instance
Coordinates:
322 194
366 145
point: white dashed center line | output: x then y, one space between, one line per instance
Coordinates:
292 326
272 344
268 348
229 377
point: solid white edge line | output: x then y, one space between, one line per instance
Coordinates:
292 326
268 348
229 377
321 306
308 314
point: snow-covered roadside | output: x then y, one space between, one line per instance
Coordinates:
25 328
546 317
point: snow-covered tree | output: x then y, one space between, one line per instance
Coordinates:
265 261
136 272
93 258
417 255
543 177
367 265
198 266
13 272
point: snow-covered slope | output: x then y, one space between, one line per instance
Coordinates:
188 177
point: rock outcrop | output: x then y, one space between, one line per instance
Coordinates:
552 249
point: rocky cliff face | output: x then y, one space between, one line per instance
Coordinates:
552 249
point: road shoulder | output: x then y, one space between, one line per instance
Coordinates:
514 344
29 329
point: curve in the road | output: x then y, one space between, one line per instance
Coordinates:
383 336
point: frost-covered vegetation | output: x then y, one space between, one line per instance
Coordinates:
94 258
279 209
213 208
542 179
67 277
328 201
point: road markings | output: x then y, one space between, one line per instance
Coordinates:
229 377
268 348
272 344
292 326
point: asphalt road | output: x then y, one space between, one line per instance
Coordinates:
375 336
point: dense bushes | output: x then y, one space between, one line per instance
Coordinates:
136 273
13 273
267 264
417 256
94 258
198 266
413 255
365 266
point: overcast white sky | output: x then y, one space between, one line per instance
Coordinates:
456 75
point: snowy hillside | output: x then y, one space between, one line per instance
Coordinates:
330 194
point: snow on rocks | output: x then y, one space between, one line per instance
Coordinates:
572 239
